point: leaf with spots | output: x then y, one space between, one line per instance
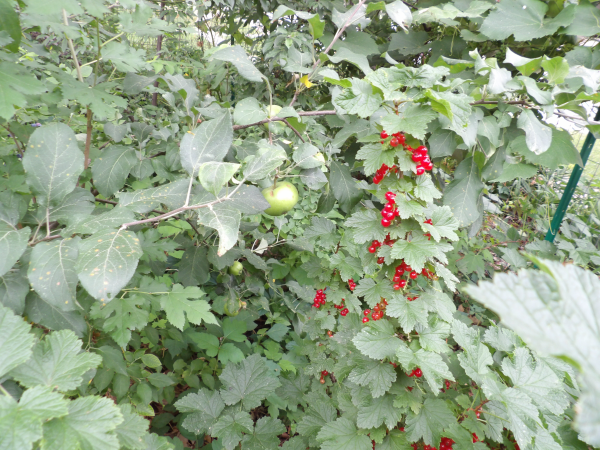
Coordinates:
145 200
107 261
226 220
85 224
52 163
13 243
176 303
52 272
111 168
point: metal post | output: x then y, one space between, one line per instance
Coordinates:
563 205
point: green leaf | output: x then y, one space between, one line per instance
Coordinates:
561 151
124 57
13 243
342 435
425 189
475 357
193 268
430 421
418 251
433 337
226 220
145 200
586 21
208 342
57 362
265 434
15 341
266 160
238 57
395 440
375 412
374 157
214 175
377 341
526 66
208 142
444 224
52 272
524 19
203 408
413 119
343 186
359 99
50 316
14 287
348 266
151 360
438 301
316 24
132 430
373 291
304 156
367 225
176 304
9 22
112 168
537 135
79 201
317 414
85 224
435 370
248 382
556 68
399 13
229 428
107 261
513 171
462 194
121 316
15 84
249 110
89 424
409 313
542 307
377 375
52 163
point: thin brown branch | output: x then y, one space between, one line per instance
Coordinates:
193 226
12 135
47 238
88 139
278 119
293 129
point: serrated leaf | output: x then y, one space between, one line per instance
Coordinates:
226 220
377 341
208 142
15 341
203 408
429 423
435 370
409 313
57 362
107 261
377 375
425 189
121 316
444 224
373 291
16 84
132 430
348 266
264 436
112 167
462 194
433 337
248 382
367 226
408 208
395 440
377 412
418 251
475 357
14 287
229 428
374 157
52 162
342 435
89 424
501 339
238 57
9 22
52 272
412 120
360 99
176 303
145 200
441 303
317 414
13 243
193 267
151 360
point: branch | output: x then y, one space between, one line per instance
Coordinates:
293 129
329 112
495 102
12 135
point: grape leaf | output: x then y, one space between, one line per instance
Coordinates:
229 428
15 341
52 272
248 382
377 341
377 375
13 243
52 163
176 303
57 362
342 435
203 408
107 261
429 422
111 168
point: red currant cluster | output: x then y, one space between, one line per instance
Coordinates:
320 298
389 211
382 172
378 311
410 299
416 373
351 284
376 244
324 373
446 443
397 138
475 438
420 156
343 310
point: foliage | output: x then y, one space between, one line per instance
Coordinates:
131 183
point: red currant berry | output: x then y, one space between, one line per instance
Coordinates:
475 438
401 138
417 157
478 414
396 278
420 170
447 384
390 196
427 166
372 249
402 283
383 135
380 260
322 380
324 373
376 308
413 275
422 149
316 305
386 222
418 373
365 319
389 207
320 292
407 267
376 243
344 311
366 312
394 142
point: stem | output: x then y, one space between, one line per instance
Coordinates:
72 48
19 148
293 129
47 222
4 391
113 38
158 49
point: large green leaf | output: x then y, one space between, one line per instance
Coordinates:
229 428
429 422
15 84
544 307
132 431
537 135
57 362
409 313
418 251
360 99
14 287
342 435
238 57
344 186
144 200
413 120
9 22
214 175
249 110
264 436
561 151
52 163
121 316
193 268
51 316
88 425
110 170
86 224
462 194
377 341
209 142
15 341
13 243
434 369
52 272
266 160
248 382
224 218
203 408
377 375
107 261
375 411
176 303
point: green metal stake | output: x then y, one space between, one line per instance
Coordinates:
563 205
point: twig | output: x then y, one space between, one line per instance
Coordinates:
293 129
72 48
19 149
47 238
328 112
193 226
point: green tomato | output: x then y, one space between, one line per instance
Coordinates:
274 127
236 268
282 198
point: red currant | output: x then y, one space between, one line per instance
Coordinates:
372 249
418 373
330 333
344 312
394 142
322 380
475 438
413 275
386 222
383 135
366 312
396 278
397 286
407 267
365 319
402 283
390 196
420 170
324 373
417 157
380 260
